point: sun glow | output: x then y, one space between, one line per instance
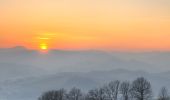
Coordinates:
44 40
43 46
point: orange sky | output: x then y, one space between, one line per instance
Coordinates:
86 24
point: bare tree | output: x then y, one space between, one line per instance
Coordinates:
92 95
163 95
53 95
75 94
141 89
112 90
96 94
125 90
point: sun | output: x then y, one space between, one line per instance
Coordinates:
43 46
44 41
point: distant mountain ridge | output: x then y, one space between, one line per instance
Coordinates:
88 60
27 73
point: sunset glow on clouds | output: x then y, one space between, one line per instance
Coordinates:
86 24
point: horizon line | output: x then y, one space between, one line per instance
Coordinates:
97 50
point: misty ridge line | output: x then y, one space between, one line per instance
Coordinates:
144 59
86 50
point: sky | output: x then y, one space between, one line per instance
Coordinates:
121 25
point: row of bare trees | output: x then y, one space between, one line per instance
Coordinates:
73 94
139 89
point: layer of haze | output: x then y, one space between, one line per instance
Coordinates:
86 24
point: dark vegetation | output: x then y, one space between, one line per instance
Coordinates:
139 89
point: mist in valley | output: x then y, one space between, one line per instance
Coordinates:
28 73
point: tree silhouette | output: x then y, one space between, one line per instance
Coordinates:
112 89
53 95
96 94
163 94
141 89
75 94
125 90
